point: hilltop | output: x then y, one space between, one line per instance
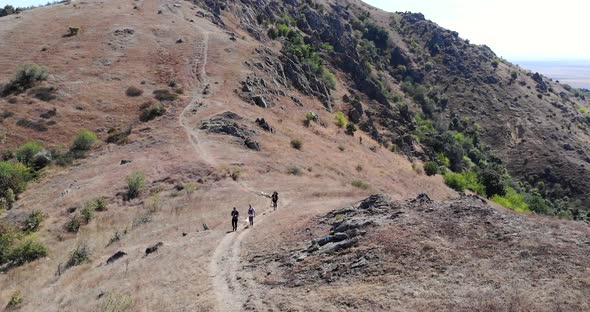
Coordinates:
143 122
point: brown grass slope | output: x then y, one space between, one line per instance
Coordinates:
194 176
171 151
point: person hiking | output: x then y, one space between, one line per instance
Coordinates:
235 214
275 200
251 215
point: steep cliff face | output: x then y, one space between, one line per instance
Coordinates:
395 68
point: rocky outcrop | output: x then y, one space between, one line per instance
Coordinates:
232 124
305 80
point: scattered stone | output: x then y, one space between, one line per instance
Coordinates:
153 248
205 227
118 255
179 40
251 144
125 161
264 125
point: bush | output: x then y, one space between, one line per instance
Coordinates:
84 141
74 224
26 152
164 95
537 204
512 200
360 184
135 184
359 168
33 221
79 256
26 77
294 171
493 181
430 168
13 178
27 251
341 121
350 129
151 112
73 30
133 91
464 180
87 213
296 144
329 79
16 298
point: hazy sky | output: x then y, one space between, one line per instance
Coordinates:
514 29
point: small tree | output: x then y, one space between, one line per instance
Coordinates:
430 168
33 222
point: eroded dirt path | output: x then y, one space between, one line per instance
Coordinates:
233 288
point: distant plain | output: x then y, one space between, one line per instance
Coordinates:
574 73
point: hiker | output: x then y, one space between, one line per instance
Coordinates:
275 199
235 214
251 215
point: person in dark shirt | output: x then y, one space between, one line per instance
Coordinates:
275 200
235 214
251 214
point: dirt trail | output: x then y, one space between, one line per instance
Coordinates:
231 288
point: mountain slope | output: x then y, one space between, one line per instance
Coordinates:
214 69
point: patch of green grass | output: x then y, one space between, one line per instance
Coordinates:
341 120
465 180
512 200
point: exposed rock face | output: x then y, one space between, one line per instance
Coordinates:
304 79
153 248
227 123
118 255
232 124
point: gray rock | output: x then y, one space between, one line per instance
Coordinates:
260 101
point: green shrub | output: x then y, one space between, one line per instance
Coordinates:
341 121
151 112
26 152
360 184
87 213
84 141
512 200
133 91
16 298
26 76
350 129
165 95
329 79
294 171
430 168
537 204
493 180
33 221
79 256
135 184
464 180
13 178
296 144
27 251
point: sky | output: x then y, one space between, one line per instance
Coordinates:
517 30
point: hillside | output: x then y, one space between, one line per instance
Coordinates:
209 105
